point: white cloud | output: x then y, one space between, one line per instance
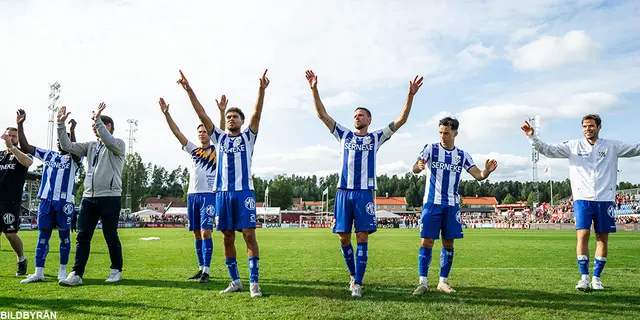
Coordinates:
549 52
524 33
581 104
301 154
397 167
475 56
516 167
341 99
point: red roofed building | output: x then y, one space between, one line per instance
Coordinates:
162 204
391 203
479 202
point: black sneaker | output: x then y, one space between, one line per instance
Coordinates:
22 268
196 276
204 278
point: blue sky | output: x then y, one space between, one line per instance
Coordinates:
489 63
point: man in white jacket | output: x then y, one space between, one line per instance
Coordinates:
593 167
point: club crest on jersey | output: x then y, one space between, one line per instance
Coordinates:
371 208
456 159
366 140
611 211
68 209
237 142
250 203
459 217
602 153
210 210
8 218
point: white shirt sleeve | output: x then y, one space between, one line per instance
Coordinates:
189 147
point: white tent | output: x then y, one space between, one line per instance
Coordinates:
145 215
384 214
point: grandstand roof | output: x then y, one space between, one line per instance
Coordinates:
391 200
479 201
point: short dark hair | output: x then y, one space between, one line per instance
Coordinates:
593 117
12 129
450 122
107 120
236 110
363 109
200 125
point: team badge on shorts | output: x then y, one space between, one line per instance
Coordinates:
611 211
371 210
68 209
210 210
250 203
459 217
9 218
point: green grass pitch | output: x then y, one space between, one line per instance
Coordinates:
499 274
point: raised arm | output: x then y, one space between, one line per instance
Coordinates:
320 110
254 122
204 118
79 149
164 107
222 106
21 117
414 86
548 150
418 166
24 159
72 130
489 166
112 144
627 150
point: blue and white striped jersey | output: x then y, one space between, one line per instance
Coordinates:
234 160
444 169
358 154
58 175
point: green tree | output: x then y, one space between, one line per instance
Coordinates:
79 185
530 199
509 199
281 192
135 170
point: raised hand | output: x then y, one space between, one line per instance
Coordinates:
312 78
21 116
222 104
164 107
527 128
415 85
63 115
72 124
490 165
101 107
421 164
7 140
264 81
183 81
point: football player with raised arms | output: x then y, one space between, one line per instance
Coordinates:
57 198
354 202
593 171
235 198
200 196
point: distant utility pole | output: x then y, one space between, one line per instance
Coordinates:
54 99
133 128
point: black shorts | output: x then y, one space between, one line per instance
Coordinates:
10 216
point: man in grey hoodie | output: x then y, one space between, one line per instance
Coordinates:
102 192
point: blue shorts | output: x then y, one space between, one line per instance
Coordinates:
236 210
53 214
201 210
436 218
602 213
354 207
